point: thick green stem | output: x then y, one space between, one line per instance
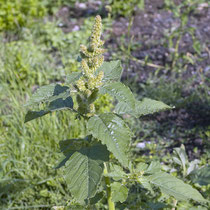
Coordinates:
111 204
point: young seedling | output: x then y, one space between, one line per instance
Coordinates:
88 166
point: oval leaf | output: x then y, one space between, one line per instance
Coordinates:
48 93
149 106
144 107
84 171
201 176
121 92
55 105
73 77
175 187
112 70
119 192
113 132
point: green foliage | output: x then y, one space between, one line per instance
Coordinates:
120 91
175 187
84 171
23 63
182 11
104 103
48 93
112 71
119 192
55 96
125 8
18 13
29 154
113 132
108 133
201 175
144 107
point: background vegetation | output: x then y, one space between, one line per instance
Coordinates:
164 48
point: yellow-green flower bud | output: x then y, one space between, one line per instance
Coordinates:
101 43
92 108
81 84
99 51
96 33
84 51
99 79
92 83
88 92
96 62
100 76
87 71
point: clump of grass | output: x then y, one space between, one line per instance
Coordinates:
29 153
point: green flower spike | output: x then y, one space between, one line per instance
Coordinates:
92 59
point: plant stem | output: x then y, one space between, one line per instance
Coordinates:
174 204
111 204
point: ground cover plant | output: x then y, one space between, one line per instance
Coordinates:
87 159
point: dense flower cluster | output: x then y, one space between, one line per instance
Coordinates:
92 59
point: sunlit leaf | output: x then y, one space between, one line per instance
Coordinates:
84 171
175 187
68 147
201 176
145 183
121 92
144 107
119 192
73 77
116 172
55 105
113 132
112 70
48 93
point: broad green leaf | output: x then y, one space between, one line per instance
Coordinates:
84 171
119 192
112 70
175 187
193 165
153 167
113 132
201 176
48 93
31 115
144 107
57 104
181 156
73 77
116 172
141 167
123 108
96 198
68 147
61 103
149 106
145 183
121 92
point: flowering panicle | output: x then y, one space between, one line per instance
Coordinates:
92 59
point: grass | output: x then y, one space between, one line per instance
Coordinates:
29 152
